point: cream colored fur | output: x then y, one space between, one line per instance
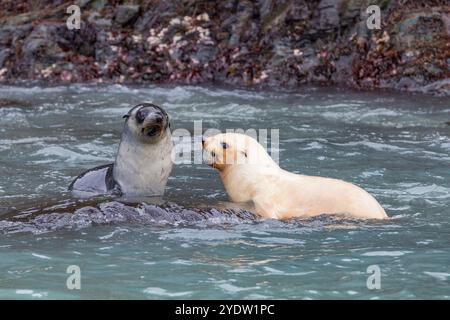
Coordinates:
249 174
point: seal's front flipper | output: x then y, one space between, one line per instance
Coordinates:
96 181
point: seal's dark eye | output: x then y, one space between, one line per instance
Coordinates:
224 145
152 131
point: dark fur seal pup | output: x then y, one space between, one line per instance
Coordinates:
143 162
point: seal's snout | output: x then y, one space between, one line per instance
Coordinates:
209 154
148 120
151 114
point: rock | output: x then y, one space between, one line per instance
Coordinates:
79 216
126 14
4 54
147 20
80 41
433 70
274 14
408 83
328 15
350 9
205 53
96 19
42 45
343 72
98 4
11 103
266 7
266 42
418 27
441 87
242 22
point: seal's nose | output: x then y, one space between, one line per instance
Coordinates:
151 114
157 115
203 142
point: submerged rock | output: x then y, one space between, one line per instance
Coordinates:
72 216
12 103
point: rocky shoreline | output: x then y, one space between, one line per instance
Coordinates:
265 43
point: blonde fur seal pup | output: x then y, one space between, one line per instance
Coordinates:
143 161
249 174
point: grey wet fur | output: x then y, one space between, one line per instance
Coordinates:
96 180
143 162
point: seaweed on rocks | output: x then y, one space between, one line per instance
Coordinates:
282 43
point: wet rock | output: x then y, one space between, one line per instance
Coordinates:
96 19
349 10
274 13
81 41
126 14
433 70
205 53
418 27
240 42
42 44
406 83
328 15
11 103
441 87
343 72
98 4
4 54
241 22
146 21
11 36
114 212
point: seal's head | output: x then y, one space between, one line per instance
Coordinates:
143 162
241 162
147 122
227 150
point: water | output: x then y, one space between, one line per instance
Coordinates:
396 146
